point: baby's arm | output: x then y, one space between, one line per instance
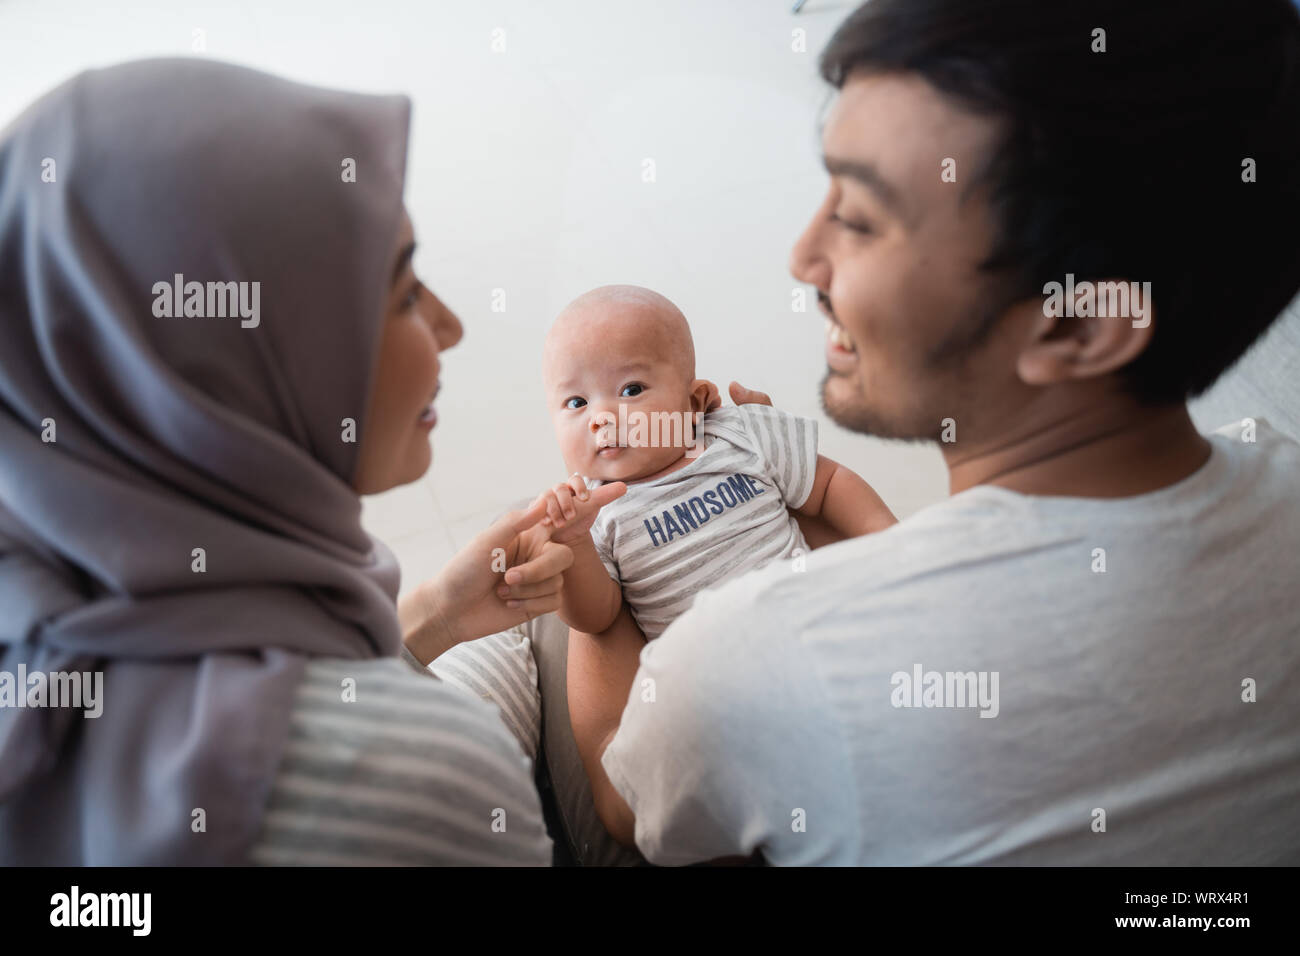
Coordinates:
845 502
590 598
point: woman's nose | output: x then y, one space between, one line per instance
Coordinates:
446 327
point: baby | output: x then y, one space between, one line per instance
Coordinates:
708 492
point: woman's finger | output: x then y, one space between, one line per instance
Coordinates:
518 592
535 606
517 522
505 531
554 559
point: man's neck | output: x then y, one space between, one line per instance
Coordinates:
1108 450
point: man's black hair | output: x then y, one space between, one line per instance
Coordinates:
1124 164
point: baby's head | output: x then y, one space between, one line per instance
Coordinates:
616 360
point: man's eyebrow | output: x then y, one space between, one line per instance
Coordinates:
867 174
403 259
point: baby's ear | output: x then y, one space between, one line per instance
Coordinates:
705 396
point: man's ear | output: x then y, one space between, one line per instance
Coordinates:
704 396
1062 347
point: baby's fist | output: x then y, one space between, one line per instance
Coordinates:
571 508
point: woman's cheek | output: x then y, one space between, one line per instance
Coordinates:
418 355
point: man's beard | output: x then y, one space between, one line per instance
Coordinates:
857 415
945 363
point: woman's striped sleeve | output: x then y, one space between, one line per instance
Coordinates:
384 766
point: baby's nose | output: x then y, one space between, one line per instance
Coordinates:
601 420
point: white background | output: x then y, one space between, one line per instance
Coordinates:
525 175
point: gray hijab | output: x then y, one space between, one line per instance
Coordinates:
183 433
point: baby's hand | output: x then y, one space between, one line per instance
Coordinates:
571 509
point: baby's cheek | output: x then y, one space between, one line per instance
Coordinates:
572 446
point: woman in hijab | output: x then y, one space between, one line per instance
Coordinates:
213 341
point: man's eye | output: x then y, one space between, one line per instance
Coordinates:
852 226
574 402
628 388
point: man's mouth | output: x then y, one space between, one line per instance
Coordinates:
837 338
841 350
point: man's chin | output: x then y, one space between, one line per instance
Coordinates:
845 404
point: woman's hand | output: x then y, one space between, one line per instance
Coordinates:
508 574
571 509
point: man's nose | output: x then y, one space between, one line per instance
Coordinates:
808 262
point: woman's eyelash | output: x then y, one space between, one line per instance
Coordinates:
853 226
413 296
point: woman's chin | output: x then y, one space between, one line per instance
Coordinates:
415 463
422 459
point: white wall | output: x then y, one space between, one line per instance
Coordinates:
525 175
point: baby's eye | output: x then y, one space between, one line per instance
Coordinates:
574 402
629 388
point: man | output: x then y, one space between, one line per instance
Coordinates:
1047 227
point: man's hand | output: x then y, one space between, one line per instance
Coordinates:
747 396
508 574
571 509
817 531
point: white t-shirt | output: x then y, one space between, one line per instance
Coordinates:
718 516
1156 698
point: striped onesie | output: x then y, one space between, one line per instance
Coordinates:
720 515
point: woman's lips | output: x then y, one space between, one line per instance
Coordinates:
429 417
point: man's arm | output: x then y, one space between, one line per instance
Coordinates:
845 502
854 507
600 673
